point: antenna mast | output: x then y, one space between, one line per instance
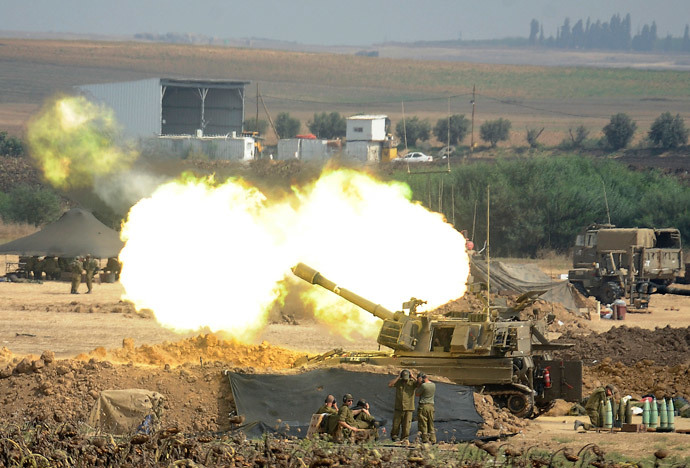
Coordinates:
488 256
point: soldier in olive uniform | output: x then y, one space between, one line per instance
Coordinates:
346 420
90 265
113 266
37 267
330 408
597 398
405 387
75 267
51 268
364 419
425 410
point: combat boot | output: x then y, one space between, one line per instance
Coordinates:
578 424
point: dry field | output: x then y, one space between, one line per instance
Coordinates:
556 98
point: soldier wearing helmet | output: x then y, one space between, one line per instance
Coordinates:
594 403
75 267
405 388
90 265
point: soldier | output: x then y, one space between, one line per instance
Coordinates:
37 267
404 404
114 266
346 419
425 411
364 419
598 397
75 268
51 268
90 265
330 408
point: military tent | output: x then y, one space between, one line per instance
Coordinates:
77 232
284 404
519 278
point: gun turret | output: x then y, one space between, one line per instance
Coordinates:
398 332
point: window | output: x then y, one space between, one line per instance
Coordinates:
358 129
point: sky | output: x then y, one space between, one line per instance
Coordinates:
329 22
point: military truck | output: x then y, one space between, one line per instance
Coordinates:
610 263
491 349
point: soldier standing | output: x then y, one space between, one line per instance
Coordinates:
90 265
425 410
75 267
50 266
404 405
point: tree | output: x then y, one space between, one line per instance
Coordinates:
532 136
581 134
414 128
252 125
668 131
328 126
287 127
10 146
493 131
459 126
26 204
619 131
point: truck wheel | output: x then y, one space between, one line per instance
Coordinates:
609 292
520 404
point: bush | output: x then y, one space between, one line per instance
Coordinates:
287 127
328 126
619 131
10 146
459 126
493 131
532 136
414 128
668 131
26 204
251 125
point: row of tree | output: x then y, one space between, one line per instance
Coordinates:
667 131
615 34
539 203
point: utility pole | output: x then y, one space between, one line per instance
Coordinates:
256 123
404 129
472 130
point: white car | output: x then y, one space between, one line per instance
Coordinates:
415 156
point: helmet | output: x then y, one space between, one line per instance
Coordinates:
421 375
405 374
347 397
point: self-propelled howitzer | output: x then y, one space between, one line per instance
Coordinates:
491 350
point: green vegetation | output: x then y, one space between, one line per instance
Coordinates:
286 126
412 129
459 127
254 125
619 131
668 131
10 146
539 203
25 204
328 126
493 131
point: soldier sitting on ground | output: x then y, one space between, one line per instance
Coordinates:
595 401
346 421
364 420
330 409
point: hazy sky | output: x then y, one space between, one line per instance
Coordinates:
348 22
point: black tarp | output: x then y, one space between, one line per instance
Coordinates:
77 232
285 403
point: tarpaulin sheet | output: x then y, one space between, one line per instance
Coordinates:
77 232
285 403
520 278
121 411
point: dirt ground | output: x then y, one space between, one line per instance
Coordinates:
96 342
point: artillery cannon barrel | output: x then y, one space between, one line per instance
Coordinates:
312 276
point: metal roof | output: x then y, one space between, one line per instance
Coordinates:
193 83
367 117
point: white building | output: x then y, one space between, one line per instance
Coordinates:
365 136
307 149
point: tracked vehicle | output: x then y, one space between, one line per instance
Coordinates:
491 350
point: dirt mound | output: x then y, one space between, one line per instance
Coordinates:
496 421
639 379
662 346
199 350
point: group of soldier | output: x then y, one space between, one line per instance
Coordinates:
53 267
357 422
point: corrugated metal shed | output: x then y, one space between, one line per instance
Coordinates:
167 106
